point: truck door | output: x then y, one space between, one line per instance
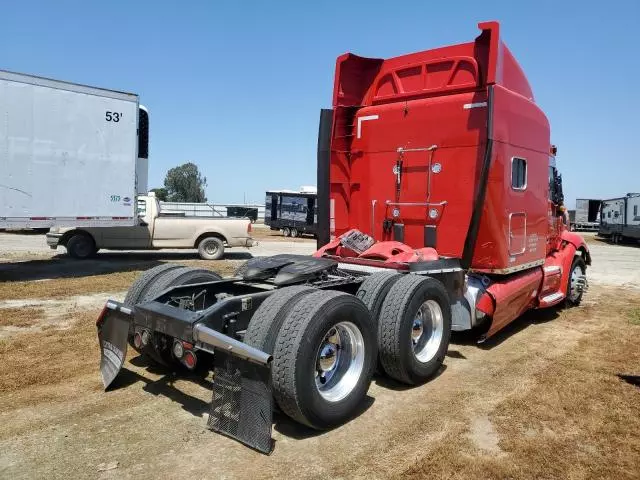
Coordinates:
134 237
517 233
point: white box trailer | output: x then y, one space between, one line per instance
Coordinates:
70 155
587 214
620 218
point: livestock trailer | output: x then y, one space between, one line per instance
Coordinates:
293 212
620 218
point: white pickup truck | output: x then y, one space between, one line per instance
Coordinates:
156 230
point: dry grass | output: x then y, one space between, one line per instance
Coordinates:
634 316
20 317
580 420
50 356
66 287
108 282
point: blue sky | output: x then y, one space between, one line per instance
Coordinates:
236 87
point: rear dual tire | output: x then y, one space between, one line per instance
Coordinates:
413 320
158 279
324 358
414 329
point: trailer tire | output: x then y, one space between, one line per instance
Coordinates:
405 355
294 232
81 246
144 281
307 351
211 248
286 231
574 293
265 323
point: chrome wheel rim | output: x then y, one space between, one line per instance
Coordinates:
339 361
575 283
426 331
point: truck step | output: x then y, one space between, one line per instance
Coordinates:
551 299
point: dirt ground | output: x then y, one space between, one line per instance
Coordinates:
552 396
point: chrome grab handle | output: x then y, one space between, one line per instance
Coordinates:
416 204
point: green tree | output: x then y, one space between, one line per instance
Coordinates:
161 193
185 183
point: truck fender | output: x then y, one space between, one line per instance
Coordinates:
578 243
208 233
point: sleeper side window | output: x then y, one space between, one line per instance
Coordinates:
518 173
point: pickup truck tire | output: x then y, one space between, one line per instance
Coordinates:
324 358
265 323
81 246
414 329
211 248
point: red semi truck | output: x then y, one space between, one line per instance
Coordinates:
439 208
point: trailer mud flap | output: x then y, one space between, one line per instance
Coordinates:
242 403
113 331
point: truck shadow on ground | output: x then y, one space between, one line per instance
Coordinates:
62 266
165 387
528 319
384 381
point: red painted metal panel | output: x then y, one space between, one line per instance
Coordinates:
513 296
439 98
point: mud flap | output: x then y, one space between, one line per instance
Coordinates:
242 403
113 332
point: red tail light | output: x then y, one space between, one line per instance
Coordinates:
189 359
249 227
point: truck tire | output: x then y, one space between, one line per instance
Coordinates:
211 248
414 307
266 321
180 276
172 278
142 283
574 289
324 358
81 246
374 290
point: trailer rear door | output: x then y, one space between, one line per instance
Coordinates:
68 154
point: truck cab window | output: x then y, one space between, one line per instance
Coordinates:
518 173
